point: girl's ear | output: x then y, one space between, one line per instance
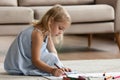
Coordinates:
49 24
51 20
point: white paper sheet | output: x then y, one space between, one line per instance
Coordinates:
89 76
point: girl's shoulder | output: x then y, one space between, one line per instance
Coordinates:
37 34
38 30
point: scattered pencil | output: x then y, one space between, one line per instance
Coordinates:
108 77
116 77
104 73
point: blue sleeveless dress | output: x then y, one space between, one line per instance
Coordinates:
18 58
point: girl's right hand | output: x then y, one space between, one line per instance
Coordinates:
57 72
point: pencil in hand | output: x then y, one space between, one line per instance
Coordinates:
60 68
56 65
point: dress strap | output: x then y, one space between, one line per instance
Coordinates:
36 29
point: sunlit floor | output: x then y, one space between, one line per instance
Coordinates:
76 47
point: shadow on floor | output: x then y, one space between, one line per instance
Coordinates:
77 49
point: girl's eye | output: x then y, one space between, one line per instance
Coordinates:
61 28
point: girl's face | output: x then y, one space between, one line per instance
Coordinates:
58 28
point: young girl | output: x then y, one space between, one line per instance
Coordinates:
33 51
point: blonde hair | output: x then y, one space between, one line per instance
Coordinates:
57 13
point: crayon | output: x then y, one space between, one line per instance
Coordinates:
81 78
104 73
116 77
108 77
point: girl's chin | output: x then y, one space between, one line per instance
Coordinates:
55 35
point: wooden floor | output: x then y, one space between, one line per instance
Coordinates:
75 47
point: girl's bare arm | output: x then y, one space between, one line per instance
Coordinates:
37 40
51 46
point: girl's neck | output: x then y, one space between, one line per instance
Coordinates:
44 32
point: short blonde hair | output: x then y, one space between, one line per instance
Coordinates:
57 13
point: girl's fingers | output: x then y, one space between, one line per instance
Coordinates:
63 69
59 72
66 69
69 69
